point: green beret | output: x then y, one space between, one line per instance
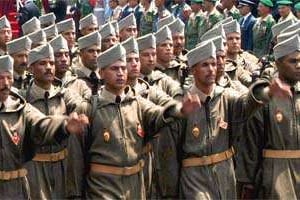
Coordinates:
267 3
297 6
284 3
197 1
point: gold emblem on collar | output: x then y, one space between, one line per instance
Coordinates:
106 136
196 131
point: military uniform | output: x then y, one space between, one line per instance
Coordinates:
237 73
174 70
178 9
23 128
48 175
209 21
290 16
262 35
147 22
192 30
21 82
233 12
161 13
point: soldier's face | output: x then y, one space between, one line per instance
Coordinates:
284 10
6 81
43 70
89 29
5 36
115 76
148 60
108 42
164 51
62 61
233 43
178 43
133 65
263 10
221 56
205 72
159 3
20 61
70 37
133 3
289 67
130 31
195 7
89 56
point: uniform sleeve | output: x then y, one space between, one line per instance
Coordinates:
44 128
74 102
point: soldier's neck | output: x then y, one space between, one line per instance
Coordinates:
115 91
132 81
232 56
19 72
206 89
164 64
60 75
45 85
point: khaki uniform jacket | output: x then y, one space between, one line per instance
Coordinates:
214 121
23 128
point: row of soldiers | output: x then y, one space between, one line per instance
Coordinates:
113 116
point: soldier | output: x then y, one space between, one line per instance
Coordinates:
88 24
18 49
47 20
117 30
31 26
212 16
128 27
285 10
207 167
297 10
274 149
262 29
162 12
86 69
177 30
239 57
51 32
247 22
181 10
108 36
115 152
147 22
5 34
47 173
133 7
25 128
193 25
230 10
37 38
62 68
67 29
147 48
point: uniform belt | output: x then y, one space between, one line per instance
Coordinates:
51 157
147 148
9 175
268 153
208 160
121 171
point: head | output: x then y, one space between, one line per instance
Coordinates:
208 5
159 3
123 3
164 51
145 3
228 4
5 36
127 32
62 62
133 3
89 29
115 77
70 36
133 65
108 42
284 10
233 43
20 61
244 9
289 67
263 10
43 71
196 7
89 56
113 3
178 43
6 82
205 72
148 60
221 60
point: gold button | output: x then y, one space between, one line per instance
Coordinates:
106 136
196 131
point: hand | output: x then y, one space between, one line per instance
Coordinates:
190 103
279 89
76 123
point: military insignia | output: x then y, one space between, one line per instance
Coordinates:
278 116
16 138
106 135
140 130
222 124
196 131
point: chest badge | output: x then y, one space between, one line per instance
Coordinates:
278 116
196 131
140 130
106 136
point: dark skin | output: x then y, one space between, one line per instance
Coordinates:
43 72
234 45
148 60
62 63
20 62
89 56
289 68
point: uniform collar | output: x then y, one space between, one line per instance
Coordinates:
110 97
86 71
202 96
39 93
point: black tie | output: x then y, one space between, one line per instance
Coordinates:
46 96
118 99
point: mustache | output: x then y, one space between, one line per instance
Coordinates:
5 88
23 65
